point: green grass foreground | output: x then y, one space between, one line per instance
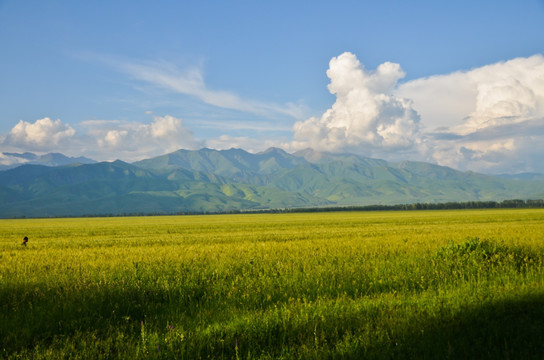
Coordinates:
352 285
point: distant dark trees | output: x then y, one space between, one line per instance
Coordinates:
505 204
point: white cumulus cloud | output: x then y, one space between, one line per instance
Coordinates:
487 119
366 117
112 139
102 139
166 127
43 135
132 141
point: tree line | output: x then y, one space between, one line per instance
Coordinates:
505 204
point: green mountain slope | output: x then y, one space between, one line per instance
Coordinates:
220 181
233 163
121 188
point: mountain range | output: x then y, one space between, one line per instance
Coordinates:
12 160
206 180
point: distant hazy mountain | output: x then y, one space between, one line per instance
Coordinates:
217 181
11 160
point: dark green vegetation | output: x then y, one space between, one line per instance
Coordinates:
221 181
378 285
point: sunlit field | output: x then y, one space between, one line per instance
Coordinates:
346 285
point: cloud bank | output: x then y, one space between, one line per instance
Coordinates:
133 141
101 139
487 119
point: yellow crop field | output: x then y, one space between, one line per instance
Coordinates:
416 284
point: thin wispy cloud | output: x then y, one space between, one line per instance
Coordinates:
190 81
246 125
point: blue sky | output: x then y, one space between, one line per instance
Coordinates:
455 83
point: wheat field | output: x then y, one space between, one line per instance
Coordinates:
337 285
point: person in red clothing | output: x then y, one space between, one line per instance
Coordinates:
25 240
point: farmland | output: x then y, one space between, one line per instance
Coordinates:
420 284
